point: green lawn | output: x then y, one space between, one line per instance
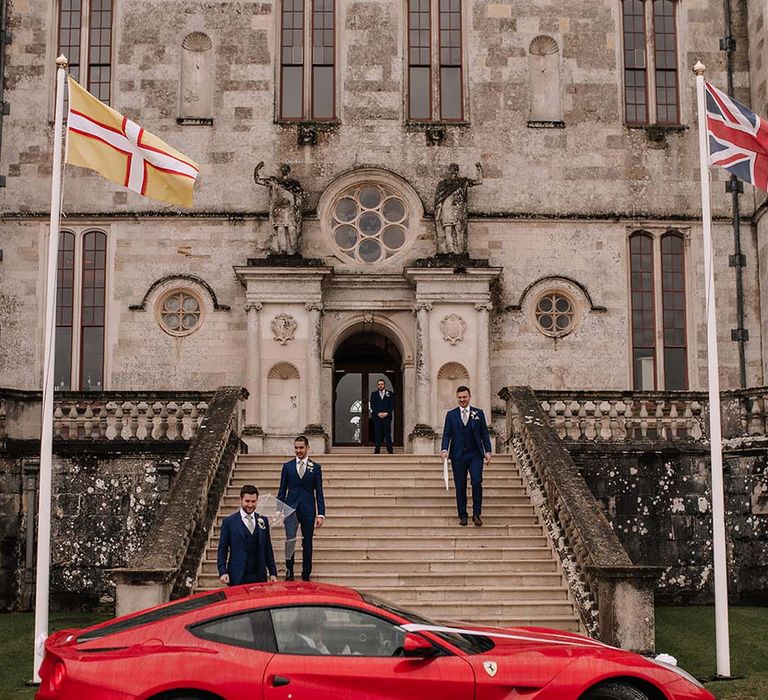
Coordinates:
16 634
688 633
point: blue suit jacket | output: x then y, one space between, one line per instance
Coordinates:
301 494
379 405
453 433
232 553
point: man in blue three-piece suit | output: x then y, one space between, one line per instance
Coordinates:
245 549
467 442
382 408
301 485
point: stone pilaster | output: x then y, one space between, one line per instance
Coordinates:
423 434
483 389
252 430
314 358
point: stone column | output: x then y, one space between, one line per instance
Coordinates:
423 433
253 365
314 358
483 359
253 435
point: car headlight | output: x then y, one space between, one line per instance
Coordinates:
666 661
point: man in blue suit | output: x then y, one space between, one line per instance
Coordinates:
245 549
301 486
466 441
382 407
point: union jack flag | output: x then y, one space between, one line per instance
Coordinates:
738 138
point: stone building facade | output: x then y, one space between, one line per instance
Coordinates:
538 93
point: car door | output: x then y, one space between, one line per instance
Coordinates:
333 653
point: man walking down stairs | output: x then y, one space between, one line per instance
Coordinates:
392 531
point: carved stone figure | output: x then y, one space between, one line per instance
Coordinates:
286 206
451 209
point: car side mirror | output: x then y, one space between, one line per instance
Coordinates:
416 647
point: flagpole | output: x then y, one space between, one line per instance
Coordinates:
722 642
43 572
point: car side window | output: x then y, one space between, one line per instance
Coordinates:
252 630
318 630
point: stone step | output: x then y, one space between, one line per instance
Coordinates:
351 530
271 484
232 501
416 596
346 490
524 609
363 457
324 567
367 521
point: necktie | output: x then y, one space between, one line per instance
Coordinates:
249 522
464 415
301 468
381 393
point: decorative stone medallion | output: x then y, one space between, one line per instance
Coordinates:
453 328
284 327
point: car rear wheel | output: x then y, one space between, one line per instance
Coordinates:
614 691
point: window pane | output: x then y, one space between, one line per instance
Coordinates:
673 303
92 361
252 630
322 92
418 94
100 49
62 371
635 97
450 93
92 321
291 92
643 312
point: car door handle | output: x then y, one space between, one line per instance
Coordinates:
278 681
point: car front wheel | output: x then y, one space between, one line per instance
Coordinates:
614 691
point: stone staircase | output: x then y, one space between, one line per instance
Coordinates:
392 530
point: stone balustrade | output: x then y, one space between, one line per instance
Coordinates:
604 416
134 416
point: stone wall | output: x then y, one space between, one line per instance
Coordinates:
660 505
11 544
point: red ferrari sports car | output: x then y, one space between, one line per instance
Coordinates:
297 641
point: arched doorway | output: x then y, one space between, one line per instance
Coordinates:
360 361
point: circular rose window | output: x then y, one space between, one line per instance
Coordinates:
555 313
179 312
369 223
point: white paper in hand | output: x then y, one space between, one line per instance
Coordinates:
445 472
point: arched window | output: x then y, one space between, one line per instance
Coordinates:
435 61
85 38
643 311
544 80
658 272
650 80
80 304
673 303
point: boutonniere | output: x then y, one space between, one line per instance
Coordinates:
310 466
474 415
386 393
262 524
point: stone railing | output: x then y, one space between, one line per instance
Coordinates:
615 416
129 415
110 416
614 597
165 565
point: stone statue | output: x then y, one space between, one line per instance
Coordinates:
451 210
286 205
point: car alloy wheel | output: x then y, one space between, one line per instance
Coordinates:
614 691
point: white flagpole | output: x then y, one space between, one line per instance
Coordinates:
43 572
716 444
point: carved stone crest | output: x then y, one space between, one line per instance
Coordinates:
453 328
283 326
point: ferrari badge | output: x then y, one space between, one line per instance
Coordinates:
490 668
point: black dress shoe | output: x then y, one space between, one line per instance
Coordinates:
289 576
476 520
463 522
305 577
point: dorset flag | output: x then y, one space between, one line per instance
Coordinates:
104 140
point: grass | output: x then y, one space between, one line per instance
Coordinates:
16 635
688 633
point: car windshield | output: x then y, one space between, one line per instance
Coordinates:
468 643
163 613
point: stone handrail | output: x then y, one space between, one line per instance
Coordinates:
165 565
616 416
109 416
615 598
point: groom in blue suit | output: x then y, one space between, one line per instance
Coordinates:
382 408
301 485
467 442
245 549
